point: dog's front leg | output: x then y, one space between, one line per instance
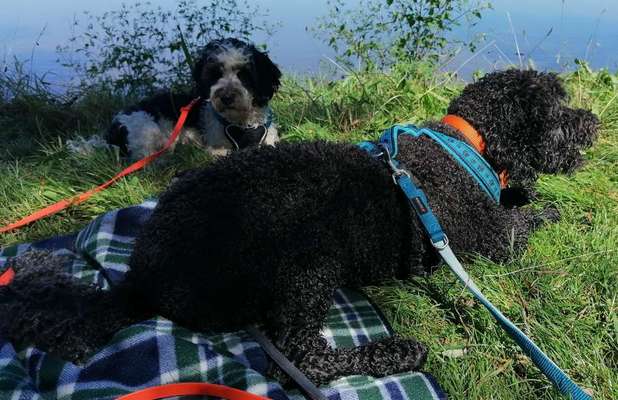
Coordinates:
321 364
524 221
378 359
302 297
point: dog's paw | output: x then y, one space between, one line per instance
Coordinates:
183 175
395 355
537 218
549 214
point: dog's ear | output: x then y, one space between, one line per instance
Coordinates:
201 75
197 71
267 77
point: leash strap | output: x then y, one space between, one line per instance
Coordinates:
136 166
286 365
7 276
558 377
191 389
418 200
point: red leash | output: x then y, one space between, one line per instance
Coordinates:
7 276
66 203
191 389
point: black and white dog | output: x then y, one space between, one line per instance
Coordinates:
235 82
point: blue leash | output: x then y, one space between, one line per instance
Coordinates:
387 151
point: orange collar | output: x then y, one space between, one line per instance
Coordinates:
474 139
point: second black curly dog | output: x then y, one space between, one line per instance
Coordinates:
265 236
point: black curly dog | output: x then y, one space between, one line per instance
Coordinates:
266 235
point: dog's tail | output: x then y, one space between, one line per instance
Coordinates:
46 307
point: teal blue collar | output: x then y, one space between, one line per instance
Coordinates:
461 151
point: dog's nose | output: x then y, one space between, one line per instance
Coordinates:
226 95
227 99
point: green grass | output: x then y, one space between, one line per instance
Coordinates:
563 291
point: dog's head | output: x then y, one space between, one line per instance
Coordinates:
560 150
527 126
236 77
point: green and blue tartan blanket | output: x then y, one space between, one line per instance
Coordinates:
157 351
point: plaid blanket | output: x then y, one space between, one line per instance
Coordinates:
157 351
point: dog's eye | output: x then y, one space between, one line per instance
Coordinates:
213 72
244 76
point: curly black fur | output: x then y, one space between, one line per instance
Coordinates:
266 235
47 306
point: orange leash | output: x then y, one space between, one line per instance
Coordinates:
66 203
7 277
191 389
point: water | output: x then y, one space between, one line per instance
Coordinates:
552 33
31 29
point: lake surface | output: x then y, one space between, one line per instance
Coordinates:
552 33
31 29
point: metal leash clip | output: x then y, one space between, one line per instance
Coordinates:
440 245
392 165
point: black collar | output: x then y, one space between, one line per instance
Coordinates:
244 137
241 136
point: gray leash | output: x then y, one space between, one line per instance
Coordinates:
286 365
